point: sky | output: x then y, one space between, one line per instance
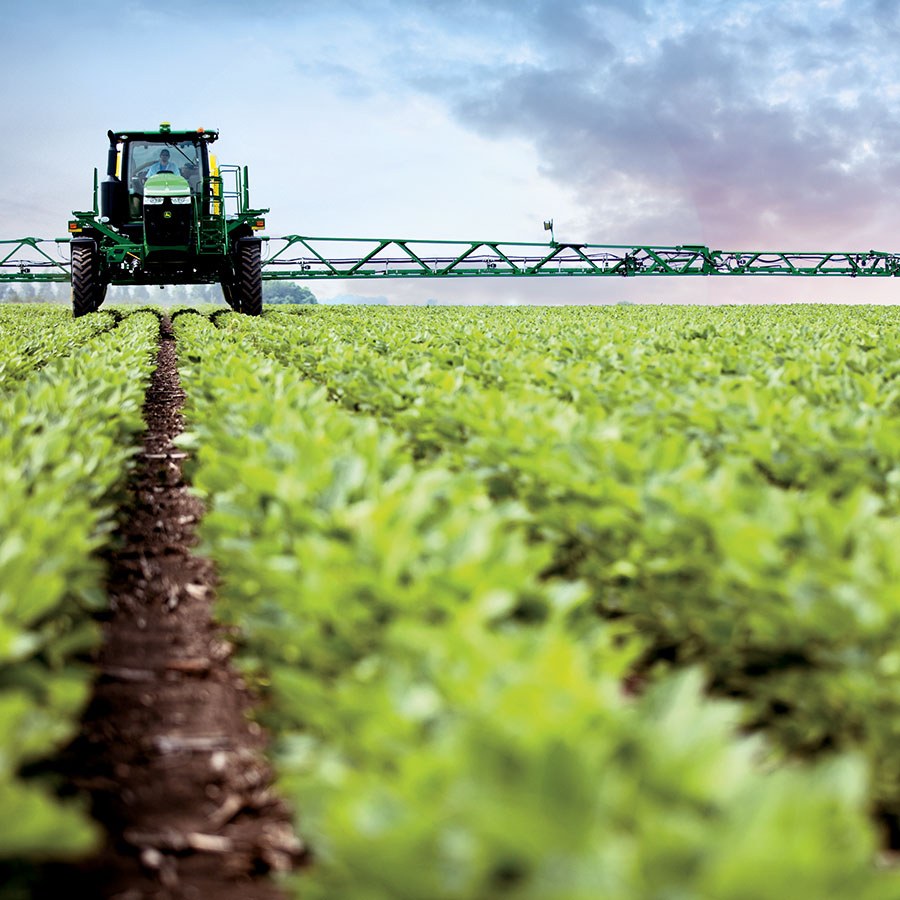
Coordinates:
738 124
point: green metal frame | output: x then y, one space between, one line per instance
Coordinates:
296 257
19 258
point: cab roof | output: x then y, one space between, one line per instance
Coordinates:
165 134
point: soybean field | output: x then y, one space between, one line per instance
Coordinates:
451 603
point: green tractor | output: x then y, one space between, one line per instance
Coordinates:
168 213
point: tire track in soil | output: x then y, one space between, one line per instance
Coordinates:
174 768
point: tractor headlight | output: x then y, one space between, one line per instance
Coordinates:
153 201
181 201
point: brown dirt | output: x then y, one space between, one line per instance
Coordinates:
174 767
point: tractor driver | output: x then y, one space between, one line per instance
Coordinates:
163 165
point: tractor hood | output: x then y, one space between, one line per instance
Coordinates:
158 187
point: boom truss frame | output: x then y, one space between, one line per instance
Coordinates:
301 258
297 257
19 258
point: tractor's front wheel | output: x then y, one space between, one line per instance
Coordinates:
88 289
248 277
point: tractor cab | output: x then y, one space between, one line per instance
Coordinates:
146 161
138 160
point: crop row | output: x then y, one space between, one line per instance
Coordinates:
67 432
417 591
740 515
805 393
34 335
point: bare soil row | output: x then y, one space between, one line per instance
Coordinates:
172 761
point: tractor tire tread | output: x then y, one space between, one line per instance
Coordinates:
87 290
250 278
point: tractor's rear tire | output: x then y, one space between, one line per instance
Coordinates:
88 290
249 277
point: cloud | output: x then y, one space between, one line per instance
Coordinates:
741 123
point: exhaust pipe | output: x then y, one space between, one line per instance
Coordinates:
113 199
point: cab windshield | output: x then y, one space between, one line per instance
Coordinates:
146 158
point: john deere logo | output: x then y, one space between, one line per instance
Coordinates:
167 214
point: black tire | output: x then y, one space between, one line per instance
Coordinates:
248 266
88 290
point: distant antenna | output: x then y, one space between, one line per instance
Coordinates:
548 226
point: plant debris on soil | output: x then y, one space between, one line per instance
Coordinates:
173 765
